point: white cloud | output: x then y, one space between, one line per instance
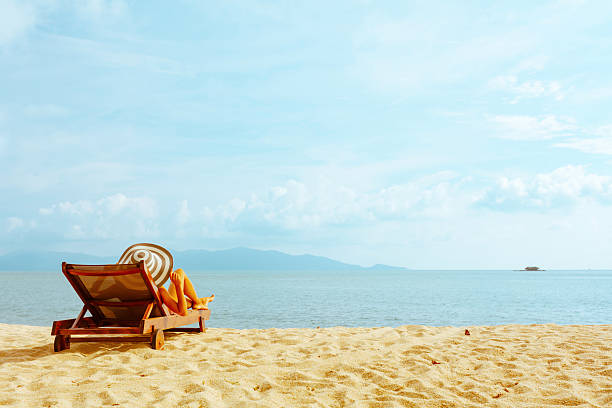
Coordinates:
119 203
14 223
76 232
523 127
183 214
531 64
109 217
19 225
562 186
80 208
298 206
45 211
526 89
597 145
16 18
417 220
603 131
112 205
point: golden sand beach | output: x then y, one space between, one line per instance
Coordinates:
409 366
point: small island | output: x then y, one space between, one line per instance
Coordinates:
533 268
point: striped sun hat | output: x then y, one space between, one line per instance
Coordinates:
157 259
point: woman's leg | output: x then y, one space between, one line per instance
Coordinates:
174 298
189 291
168 299
172 292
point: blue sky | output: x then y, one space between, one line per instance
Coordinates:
447 135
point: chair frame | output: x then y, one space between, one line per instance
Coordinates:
147 329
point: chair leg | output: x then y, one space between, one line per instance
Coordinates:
157 339
201 323
61 343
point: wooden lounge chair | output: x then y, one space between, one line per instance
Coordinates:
123 300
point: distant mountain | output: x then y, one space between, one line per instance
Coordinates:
258 260
243 259
47 261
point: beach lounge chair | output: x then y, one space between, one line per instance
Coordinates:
122 300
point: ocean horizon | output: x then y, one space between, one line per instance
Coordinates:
248 299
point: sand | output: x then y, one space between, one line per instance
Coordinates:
409 366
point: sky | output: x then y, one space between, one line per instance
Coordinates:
459 134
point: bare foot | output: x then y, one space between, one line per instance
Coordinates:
202 304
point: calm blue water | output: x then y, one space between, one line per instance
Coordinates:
295 299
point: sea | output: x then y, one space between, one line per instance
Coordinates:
248 299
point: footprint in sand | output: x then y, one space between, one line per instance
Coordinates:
262 387
193 388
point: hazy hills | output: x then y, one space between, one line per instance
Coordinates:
244 259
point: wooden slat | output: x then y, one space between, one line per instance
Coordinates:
110 339
119 323
148 311
120 304
61 324
184 329
80 316
101 266
146 276
168 322
81 291
100 330
88 322
103 273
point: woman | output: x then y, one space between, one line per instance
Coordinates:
181 294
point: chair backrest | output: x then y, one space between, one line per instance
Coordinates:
117 292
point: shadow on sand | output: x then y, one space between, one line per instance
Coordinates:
93 349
